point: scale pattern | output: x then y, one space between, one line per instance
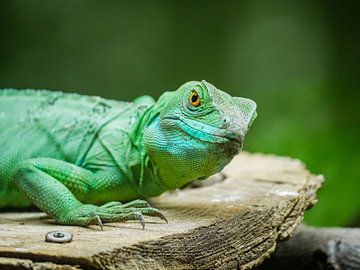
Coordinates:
87 160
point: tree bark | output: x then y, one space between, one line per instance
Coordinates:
317 249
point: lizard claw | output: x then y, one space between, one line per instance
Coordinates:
99 222
141 219
161 216
153 212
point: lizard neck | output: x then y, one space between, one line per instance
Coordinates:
150 182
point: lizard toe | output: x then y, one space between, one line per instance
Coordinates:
137 204
112 204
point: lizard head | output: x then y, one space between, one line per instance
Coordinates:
195 131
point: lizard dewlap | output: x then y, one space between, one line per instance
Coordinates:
87 160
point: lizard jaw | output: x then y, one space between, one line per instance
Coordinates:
205 132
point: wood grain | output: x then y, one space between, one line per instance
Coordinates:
234 222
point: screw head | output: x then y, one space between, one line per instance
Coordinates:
58 237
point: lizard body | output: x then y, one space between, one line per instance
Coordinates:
88 160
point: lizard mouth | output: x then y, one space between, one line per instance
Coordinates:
203 131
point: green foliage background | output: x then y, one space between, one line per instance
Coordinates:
299 60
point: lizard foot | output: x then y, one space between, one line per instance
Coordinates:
88 214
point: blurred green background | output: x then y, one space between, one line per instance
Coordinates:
299 60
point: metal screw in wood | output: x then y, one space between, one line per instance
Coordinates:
58 237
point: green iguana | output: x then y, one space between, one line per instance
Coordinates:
87 160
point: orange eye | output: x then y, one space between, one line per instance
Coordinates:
194 99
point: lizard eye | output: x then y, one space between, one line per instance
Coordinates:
194 98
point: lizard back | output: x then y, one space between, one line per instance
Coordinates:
58 125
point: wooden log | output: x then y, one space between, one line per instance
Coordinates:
317 249
13 263
233 222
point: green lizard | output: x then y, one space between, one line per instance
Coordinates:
87 160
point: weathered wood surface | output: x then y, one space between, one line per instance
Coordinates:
317 249
234 223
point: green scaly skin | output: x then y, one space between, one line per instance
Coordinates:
87 160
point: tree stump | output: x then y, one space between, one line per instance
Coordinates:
231 221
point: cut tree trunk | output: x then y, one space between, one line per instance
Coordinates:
231 221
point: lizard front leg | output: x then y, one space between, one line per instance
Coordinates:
52 184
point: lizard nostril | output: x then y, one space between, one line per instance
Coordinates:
226 122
